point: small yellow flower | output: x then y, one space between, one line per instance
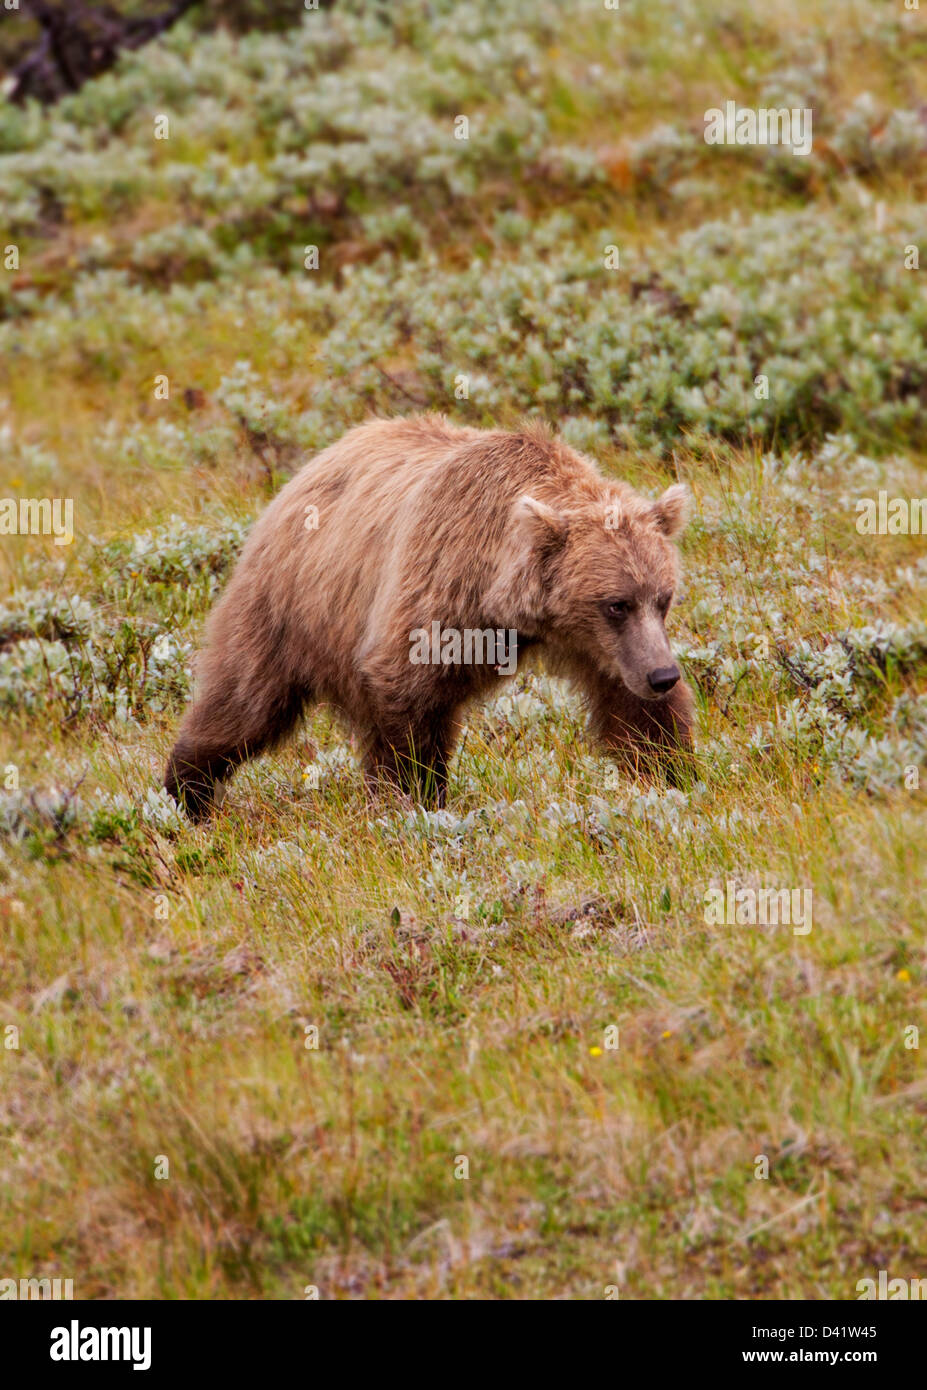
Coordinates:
904 975
595 1052
667 1033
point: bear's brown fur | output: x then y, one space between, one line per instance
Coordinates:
419 521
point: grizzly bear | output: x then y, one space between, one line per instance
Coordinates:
416 526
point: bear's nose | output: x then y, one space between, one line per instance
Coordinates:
663 679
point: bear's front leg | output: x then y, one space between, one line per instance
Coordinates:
645 736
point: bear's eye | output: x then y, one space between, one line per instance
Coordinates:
663 603
618 608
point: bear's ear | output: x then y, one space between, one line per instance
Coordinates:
671 511
516 597
539 522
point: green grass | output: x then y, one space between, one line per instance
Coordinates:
463 970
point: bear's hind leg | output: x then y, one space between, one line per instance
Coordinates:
228 724
645 736
412 759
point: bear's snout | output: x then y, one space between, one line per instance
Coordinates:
663 679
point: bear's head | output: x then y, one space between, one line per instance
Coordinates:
597 581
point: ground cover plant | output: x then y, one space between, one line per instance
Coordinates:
502 1049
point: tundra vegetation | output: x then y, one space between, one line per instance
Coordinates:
495 1049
